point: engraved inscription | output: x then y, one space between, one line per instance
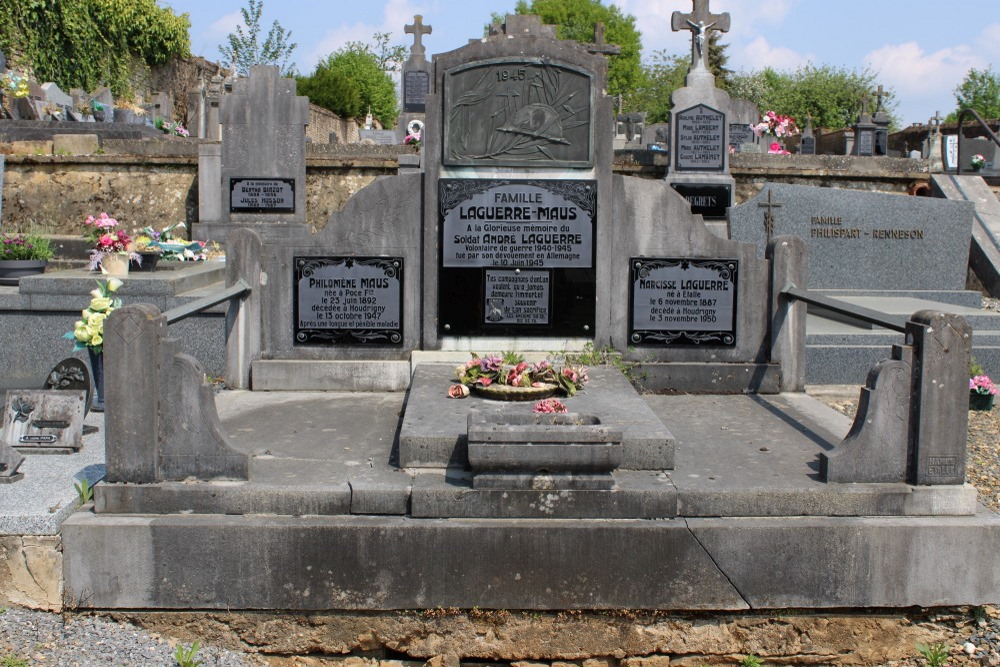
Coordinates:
941 466
833 227
415 88
519 113
517 297
701 139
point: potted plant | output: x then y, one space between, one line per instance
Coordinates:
22 255
777 125
978 162
169 127
88 332
981 393
99 111
112 248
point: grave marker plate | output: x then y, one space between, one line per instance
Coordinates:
807 146
701 139
739 134
502 222
42 420
680 301
71 374
517 297
348 300
416 85
951 151
710 201
518 112
866 143
262 195
380 137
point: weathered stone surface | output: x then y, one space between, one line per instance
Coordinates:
484 635
31 571
74 144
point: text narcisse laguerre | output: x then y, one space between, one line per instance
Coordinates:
673 298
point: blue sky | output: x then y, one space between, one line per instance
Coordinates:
920 48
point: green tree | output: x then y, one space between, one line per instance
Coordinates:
359 65
718 59
831 96
245 49
388 58
979 91
82 43
661 76
575 19
332 90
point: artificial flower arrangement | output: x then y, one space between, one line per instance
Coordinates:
977 161
412 139
88 332
107 240
776 124
14 84
982 385
25 247
170 127
510 370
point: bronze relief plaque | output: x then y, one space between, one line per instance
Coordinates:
519 113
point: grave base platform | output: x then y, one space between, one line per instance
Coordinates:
381 563
330 375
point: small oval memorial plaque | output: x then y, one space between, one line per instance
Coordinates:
348 300
262 195
678 301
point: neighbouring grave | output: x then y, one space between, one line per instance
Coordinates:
44 421
379 137
415 78
864 132
699 148
864 240
263 168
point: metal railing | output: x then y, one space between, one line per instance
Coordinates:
238 289
961 136
894 322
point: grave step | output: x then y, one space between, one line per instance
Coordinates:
330 375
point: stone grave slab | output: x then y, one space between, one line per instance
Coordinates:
44 422
379 137
433 433
864 240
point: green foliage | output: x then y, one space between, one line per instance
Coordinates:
82 43
751 661
84 491
935 654
245 49
661 76
24 246
389 58
718 59
358 64
332 90
979 91
591 355
830 95
575 19
11 660
188 657
975 368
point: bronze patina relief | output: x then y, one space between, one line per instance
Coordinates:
518 113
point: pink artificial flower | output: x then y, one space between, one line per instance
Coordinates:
484 382
458 391
549 406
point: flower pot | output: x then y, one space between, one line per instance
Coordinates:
979 401
97 370
116 265
12 270
146 262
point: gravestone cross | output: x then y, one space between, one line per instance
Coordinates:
599 46
769 216
935 123
418 30
864 105
700 22
881 93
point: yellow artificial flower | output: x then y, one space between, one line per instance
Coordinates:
100 304
113 285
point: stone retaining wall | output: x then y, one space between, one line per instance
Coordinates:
147 182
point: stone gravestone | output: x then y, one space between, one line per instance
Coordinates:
699 153
743 115
864 132
864 240
517 242
656 136
213 129
104 97
3 162
807 142
263 168
196 111
950 153
43 420
379 137
71 374
54 97
980 146
162 107
416 76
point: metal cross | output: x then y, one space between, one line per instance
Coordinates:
700 21
418 30
769 216
599 46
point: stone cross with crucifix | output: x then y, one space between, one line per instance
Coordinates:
418 30
700 22
935 123
769 216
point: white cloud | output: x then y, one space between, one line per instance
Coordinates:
759 54
911 71
395 14
222 26
988 43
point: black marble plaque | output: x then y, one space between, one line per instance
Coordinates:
415 87
517 296
740 133
506 222
262 195
518 112
348 300
710 201
493 231
683 302
700 139
807 146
